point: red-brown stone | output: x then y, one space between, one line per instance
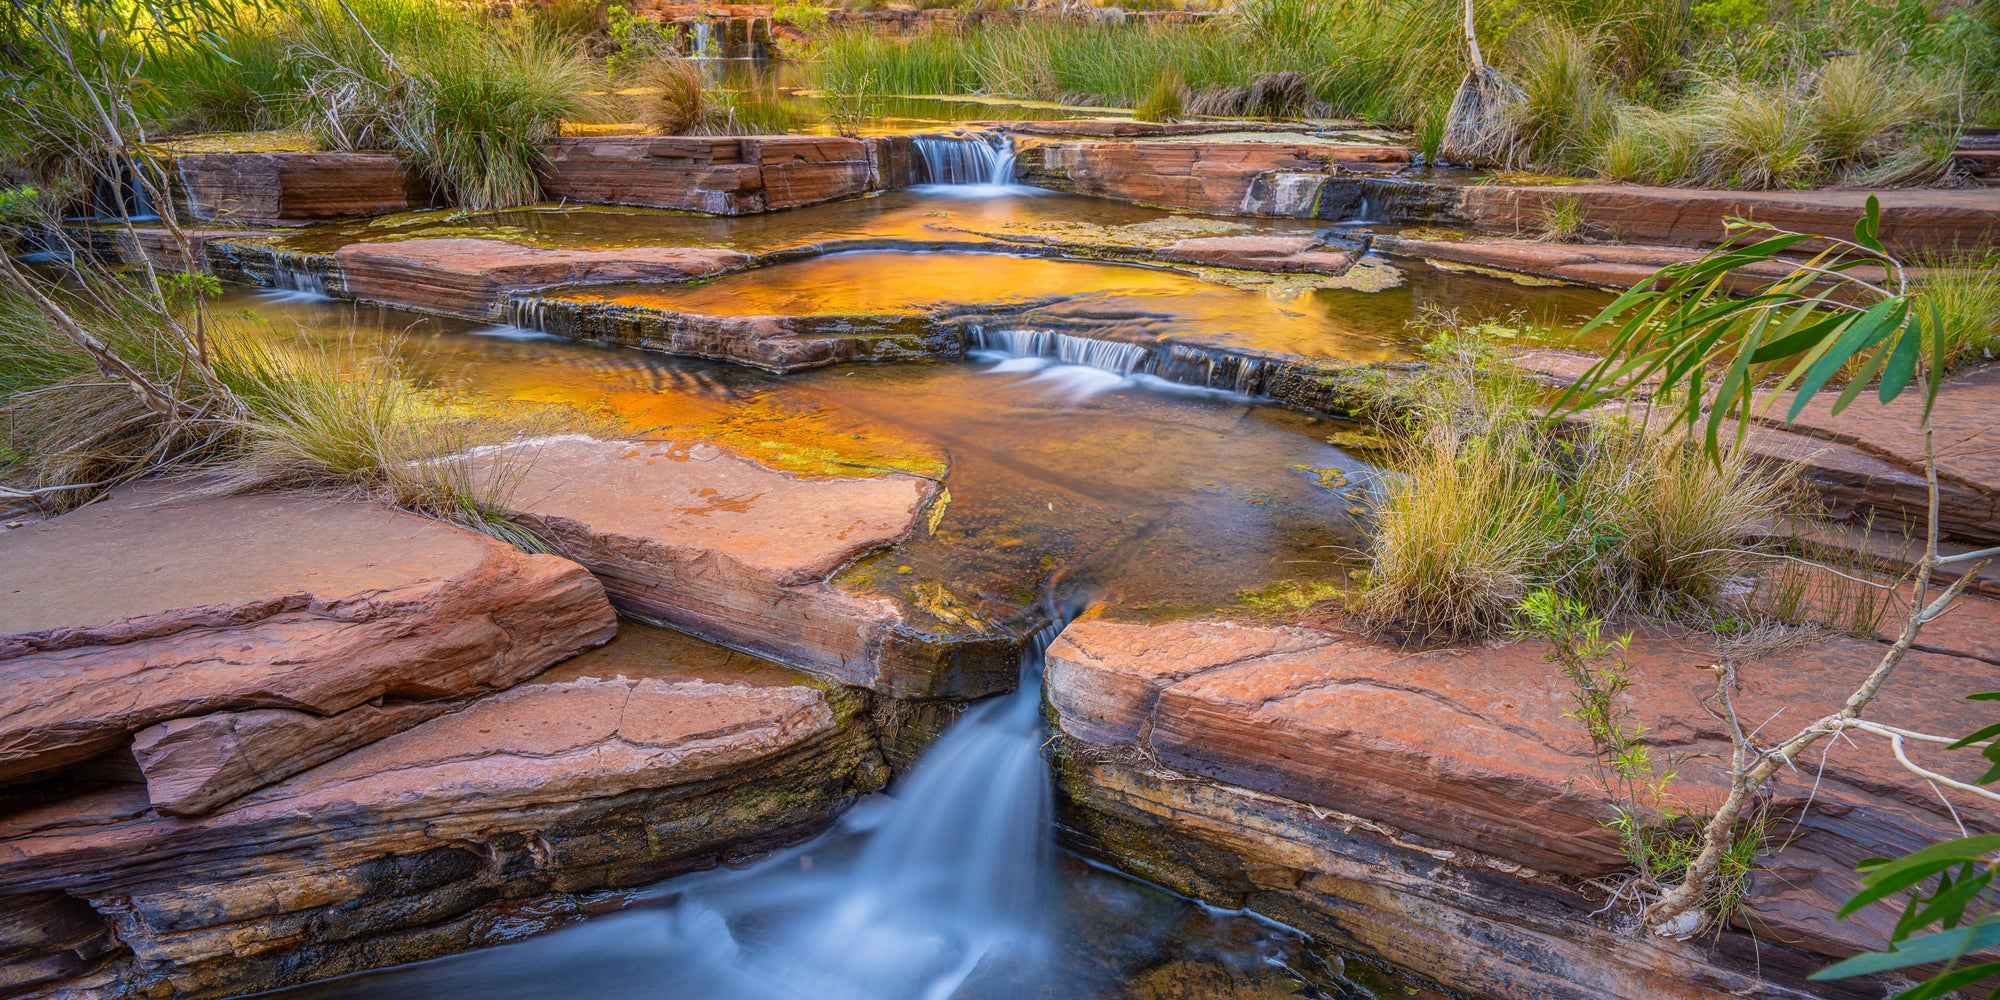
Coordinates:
467 830
690 535
1913 219
1282 254
1206 176
473 277
721 175
209 618
247 187
1468 756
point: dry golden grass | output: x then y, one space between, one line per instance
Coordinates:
1487 503
677 104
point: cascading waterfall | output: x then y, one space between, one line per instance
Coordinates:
969 158
1021 350
286 276
704 39
118 194
1114 356
938 890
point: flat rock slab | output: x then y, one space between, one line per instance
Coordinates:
243 639
1281 254
464 276
1963 424
720 175
1869 460
1914 220
690 535
1471 747
471 829
1611 265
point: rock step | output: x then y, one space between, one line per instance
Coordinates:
511 816
1434 806
200 634
686 534
1347 183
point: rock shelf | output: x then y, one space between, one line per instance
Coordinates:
226 656
686 534
1433 806
524 811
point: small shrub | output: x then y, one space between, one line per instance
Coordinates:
1165 101
1967 297
1562 220
1754 137
1487 503
678 103
480 115
1566 108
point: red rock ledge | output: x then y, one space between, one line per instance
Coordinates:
1432 808
232 641
690 535
512 816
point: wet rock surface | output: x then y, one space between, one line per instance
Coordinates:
1433 807
1206 176
237 656
1284 254
473 277
513 815
691 535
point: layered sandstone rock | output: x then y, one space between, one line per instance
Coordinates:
687 534
1962 422
722 175
775 343
231 654
473 277
510 816
244 187
1608 265
1914 220
48 936
1282 254
1227 178
1434 808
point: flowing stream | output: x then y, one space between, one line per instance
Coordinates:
948 887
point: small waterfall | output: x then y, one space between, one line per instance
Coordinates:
948 876
1122 362
290 276
526 312
1287 194
117 192
255 262
1114 356
704 39
967 158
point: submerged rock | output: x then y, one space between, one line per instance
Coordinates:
1285 254
230 655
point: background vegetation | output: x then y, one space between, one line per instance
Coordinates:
1748 93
